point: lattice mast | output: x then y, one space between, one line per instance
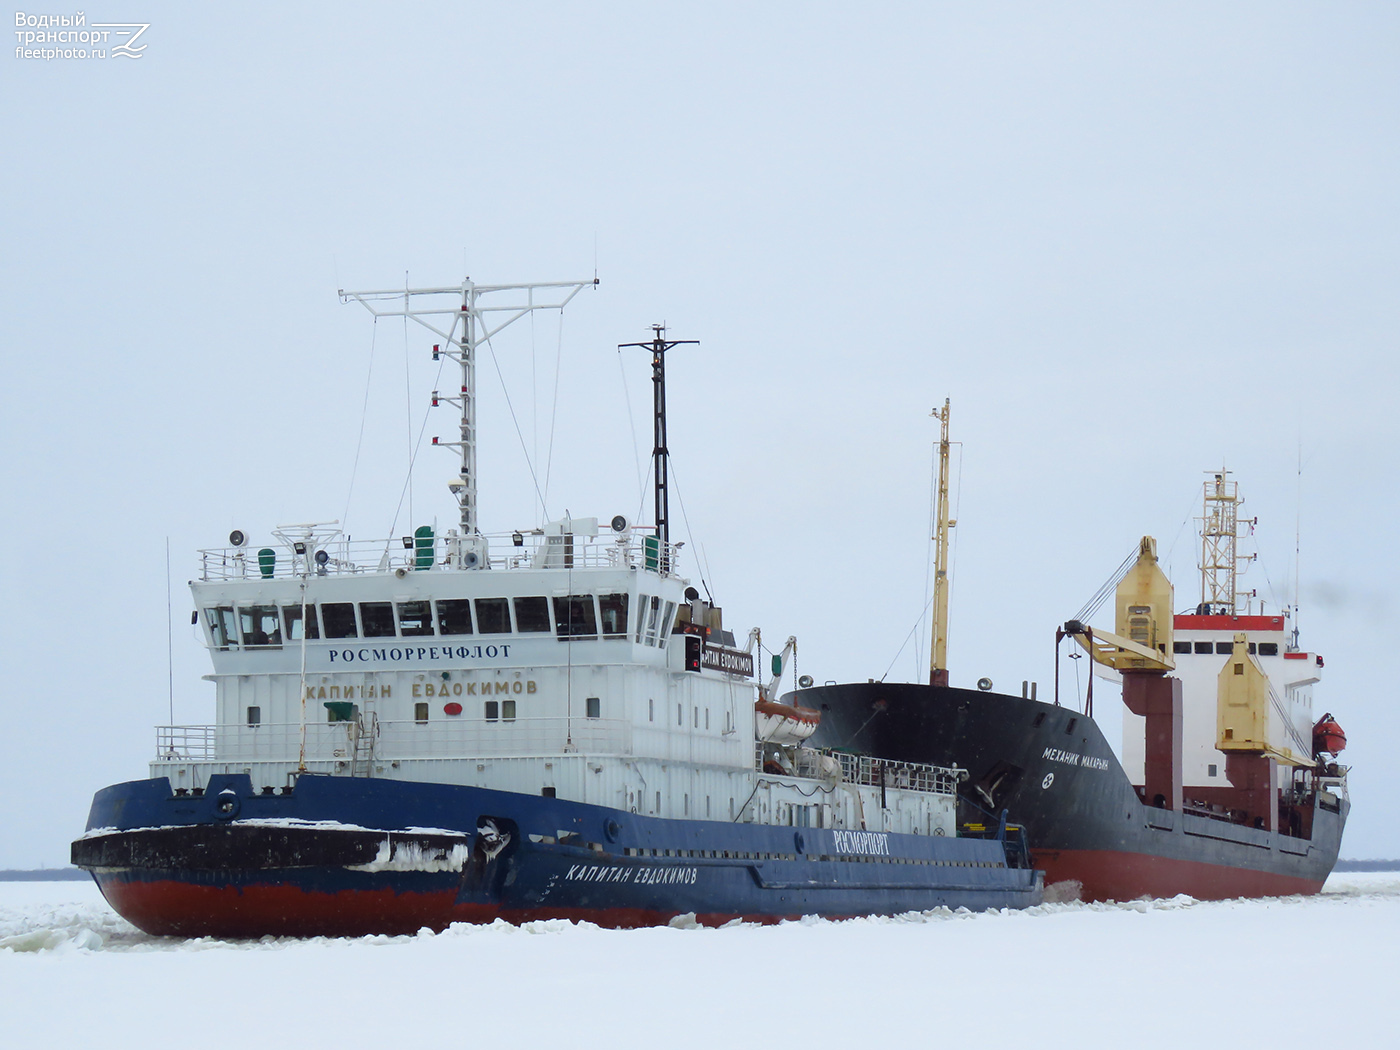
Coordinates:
459 316
1220 557
938 659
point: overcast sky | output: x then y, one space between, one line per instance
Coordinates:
1131 242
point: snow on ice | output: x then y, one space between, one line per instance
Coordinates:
1172 973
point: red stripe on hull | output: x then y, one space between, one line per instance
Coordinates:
169 908
1112 875
178 909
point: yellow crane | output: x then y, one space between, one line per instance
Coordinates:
1142 635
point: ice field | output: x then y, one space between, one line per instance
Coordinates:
1176 973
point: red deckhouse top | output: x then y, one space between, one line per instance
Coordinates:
1228 623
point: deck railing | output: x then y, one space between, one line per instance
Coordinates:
340 555
385 741
824 764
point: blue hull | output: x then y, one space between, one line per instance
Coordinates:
342 856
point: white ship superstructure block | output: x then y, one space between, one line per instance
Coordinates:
1203 645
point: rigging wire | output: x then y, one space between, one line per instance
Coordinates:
1171 551
364 415
407 397
701 560
553 411
516 422
1298 535
917 624
632 432
534 401
169 634
418 445
1095 603
957 516
642 495
928 560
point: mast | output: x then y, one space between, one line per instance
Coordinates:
463 321
938 662
1220 522
660 454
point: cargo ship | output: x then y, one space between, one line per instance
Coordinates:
1228 784
544 723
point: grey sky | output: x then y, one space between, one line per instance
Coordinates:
1130 242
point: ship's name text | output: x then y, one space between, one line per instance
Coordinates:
646 876
862 842
419 652
369 692
471 688
1069 758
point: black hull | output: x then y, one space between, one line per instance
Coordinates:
1052 770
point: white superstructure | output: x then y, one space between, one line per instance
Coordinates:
1247 696
571 660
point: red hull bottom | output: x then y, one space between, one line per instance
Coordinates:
169 908
1111 875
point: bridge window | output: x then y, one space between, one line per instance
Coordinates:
338 618
508 710
1224 648
532 614
415 618
377 619
221 626
493 711
665 634
652 615
614 611
454 616
642 615
574 617
291 620
261 625
493 615
420 713
1181 647
1268 648
594 707
255 716
1203 648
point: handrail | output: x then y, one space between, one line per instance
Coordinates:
831 764
344 556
